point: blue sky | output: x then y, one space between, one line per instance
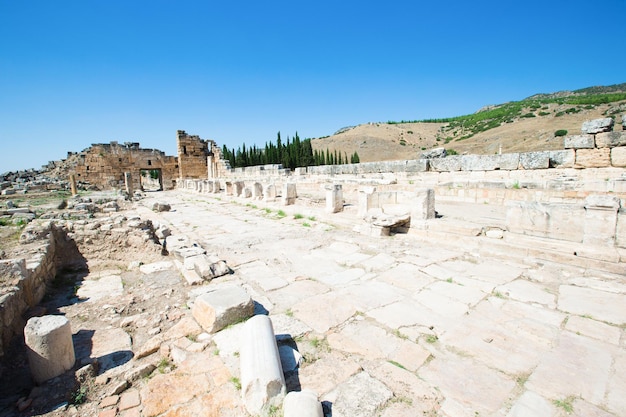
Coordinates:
73 73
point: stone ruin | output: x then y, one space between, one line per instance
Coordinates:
579 204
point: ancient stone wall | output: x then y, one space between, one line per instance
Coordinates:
28 280
104 165
199 158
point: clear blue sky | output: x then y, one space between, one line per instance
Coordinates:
78 72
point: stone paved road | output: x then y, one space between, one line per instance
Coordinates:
399 326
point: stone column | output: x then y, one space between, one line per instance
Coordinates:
262 380
239 185
424 206
302 404
210 167
366 197
257 191
229 188
334 198
269 192
73 184
600 220
289 194
49 346
128 183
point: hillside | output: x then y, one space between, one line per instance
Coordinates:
520 126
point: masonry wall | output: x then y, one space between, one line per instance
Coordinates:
104 165
28 280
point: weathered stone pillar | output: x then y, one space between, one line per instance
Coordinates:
49 346
239 185
247 192
366 197
262 380
229 188
269 192
128 183
302 404
289 194
210 167
600 220
424 206
73 184
257 191
334 198
216 187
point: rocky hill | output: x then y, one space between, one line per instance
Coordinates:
520 126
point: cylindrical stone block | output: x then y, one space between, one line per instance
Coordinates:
49 347
262 380
302 404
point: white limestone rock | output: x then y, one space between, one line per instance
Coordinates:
221 308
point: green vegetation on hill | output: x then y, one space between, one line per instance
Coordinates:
463 127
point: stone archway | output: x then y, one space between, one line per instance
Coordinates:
151 179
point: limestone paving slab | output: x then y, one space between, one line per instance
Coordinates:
325 311
405 313
526 291
532 404
405 276
468 387
359 396
578 367
600 305
616 398
441 304
109 286
262 275
594 329
370 294
285 297
379 262
343 278
326 373
457 291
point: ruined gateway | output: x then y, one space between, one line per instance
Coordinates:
509 300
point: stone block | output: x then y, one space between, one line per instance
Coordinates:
556 221
620 230
507 161
597 125
562 159
221 308
534 160
238 189
50 349
269 192
262 380
600 222
593 158
579 142
416 165
479 163
334 198
366 200
161 207
302 404
434 153
257 191
289 194
423 207
447 164
611 139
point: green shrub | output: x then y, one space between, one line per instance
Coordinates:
451 152
560 132
528 115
